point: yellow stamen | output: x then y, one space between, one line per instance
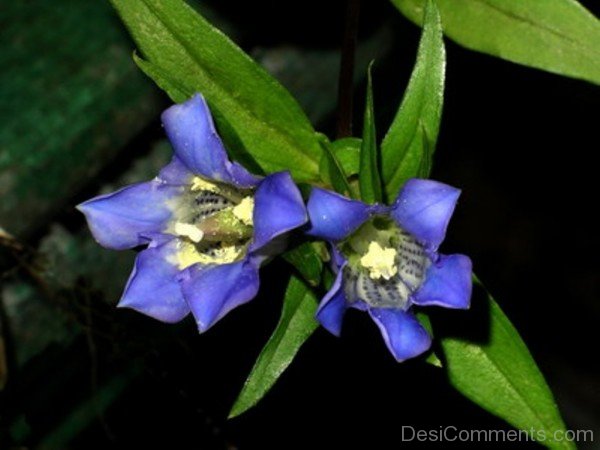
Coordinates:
187 254
244 210
190 231
380 261
226 254
199 184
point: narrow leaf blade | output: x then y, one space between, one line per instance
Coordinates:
176 89
416 125
184 54
427 159
295 326
559 36
347 152
368 175
306 260
501 376
333 172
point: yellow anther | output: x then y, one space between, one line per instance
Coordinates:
200 184
244 210
380 261
226 254
187 254
189 231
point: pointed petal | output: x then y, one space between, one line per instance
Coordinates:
423 208
278 208
212 292
119 219
153 288
404 336
448 283
192 133
333 306
333 216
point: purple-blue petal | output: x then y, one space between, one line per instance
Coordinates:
191 130
278 208
239 176
119 220
423 208
175 173
330 313
448 283
332 216
153 288
338 260
404 336
211 292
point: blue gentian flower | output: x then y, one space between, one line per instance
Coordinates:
386 260
208 224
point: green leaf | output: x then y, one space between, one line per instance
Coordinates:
295 326
306 260
416 125
347 152
559 36
332 171
427 160
176 90
368 176
500 374
184 54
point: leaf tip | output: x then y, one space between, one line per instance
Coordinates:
238 408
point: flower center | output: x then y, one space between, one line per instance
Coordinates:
213 222
385 264
188 254
380 261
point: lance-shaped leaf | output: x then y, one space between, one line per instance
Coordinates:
416 125
497 372
559 36
296 324
184 54
347 152
368 175
306 260
332 171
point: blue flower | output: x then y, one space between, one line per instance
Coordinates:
208 224
386 260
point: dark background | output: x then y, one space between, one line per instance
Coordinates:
517 141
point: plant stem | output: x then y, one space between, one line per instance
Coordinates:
346 78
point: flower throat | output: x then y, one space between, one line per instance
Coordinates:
385 264
217 227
